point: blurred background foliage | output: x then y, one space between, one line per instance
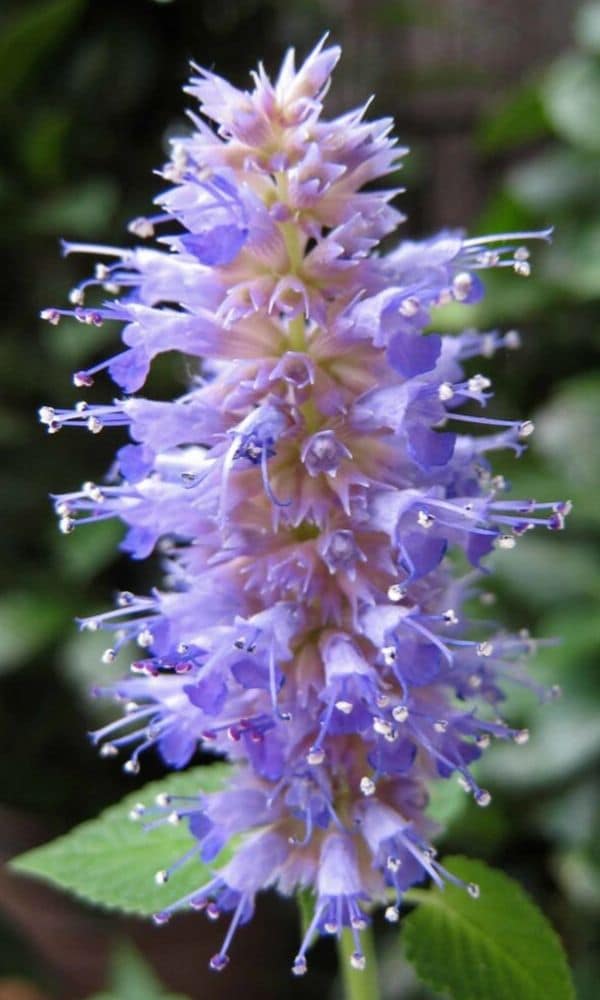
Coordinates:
499 103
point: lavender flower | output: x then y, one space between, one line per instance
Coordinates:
304 491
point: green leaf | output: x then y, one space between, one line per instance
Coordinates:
28 623
29 35
587 26
519 120
497 947
111 861
447 800
571 95
132 978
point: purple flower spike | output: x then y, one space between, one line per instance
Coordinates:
304 491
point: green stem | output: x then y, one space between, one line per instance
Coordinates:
359 984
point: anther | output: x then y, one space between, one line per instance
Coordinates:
392 914
109 656
393 864
94 425
400 713
131 766
425 520
485 649
50 316
142 228
506 542
383 727
522 268
137 811
445 392
395 593
66 525
145 638
219 962
299 967
388 654
161 877
344 706
526 428
477 383
315 756
483 798
358 961
367 786
521 736
473 890
441 726
462 285
512 340
409 306
449 617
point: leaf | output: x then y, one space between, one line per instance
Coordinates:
564 738
132 978
111 861
29 36
447 801
497 947
571 95
519 120
28 622
587 26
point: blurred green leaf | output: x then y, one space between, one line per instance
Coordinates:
565 736
554 181
28 623
568 431
543 574
497 947
42 143
111 861
132 978
573 262
571 96
77 211
29 35
587 26
88 550
80 662
579 877
447 801
519 120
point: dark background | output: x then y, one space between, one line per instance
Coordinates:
499 103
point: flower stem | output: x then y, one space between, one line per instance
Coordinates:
359 984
